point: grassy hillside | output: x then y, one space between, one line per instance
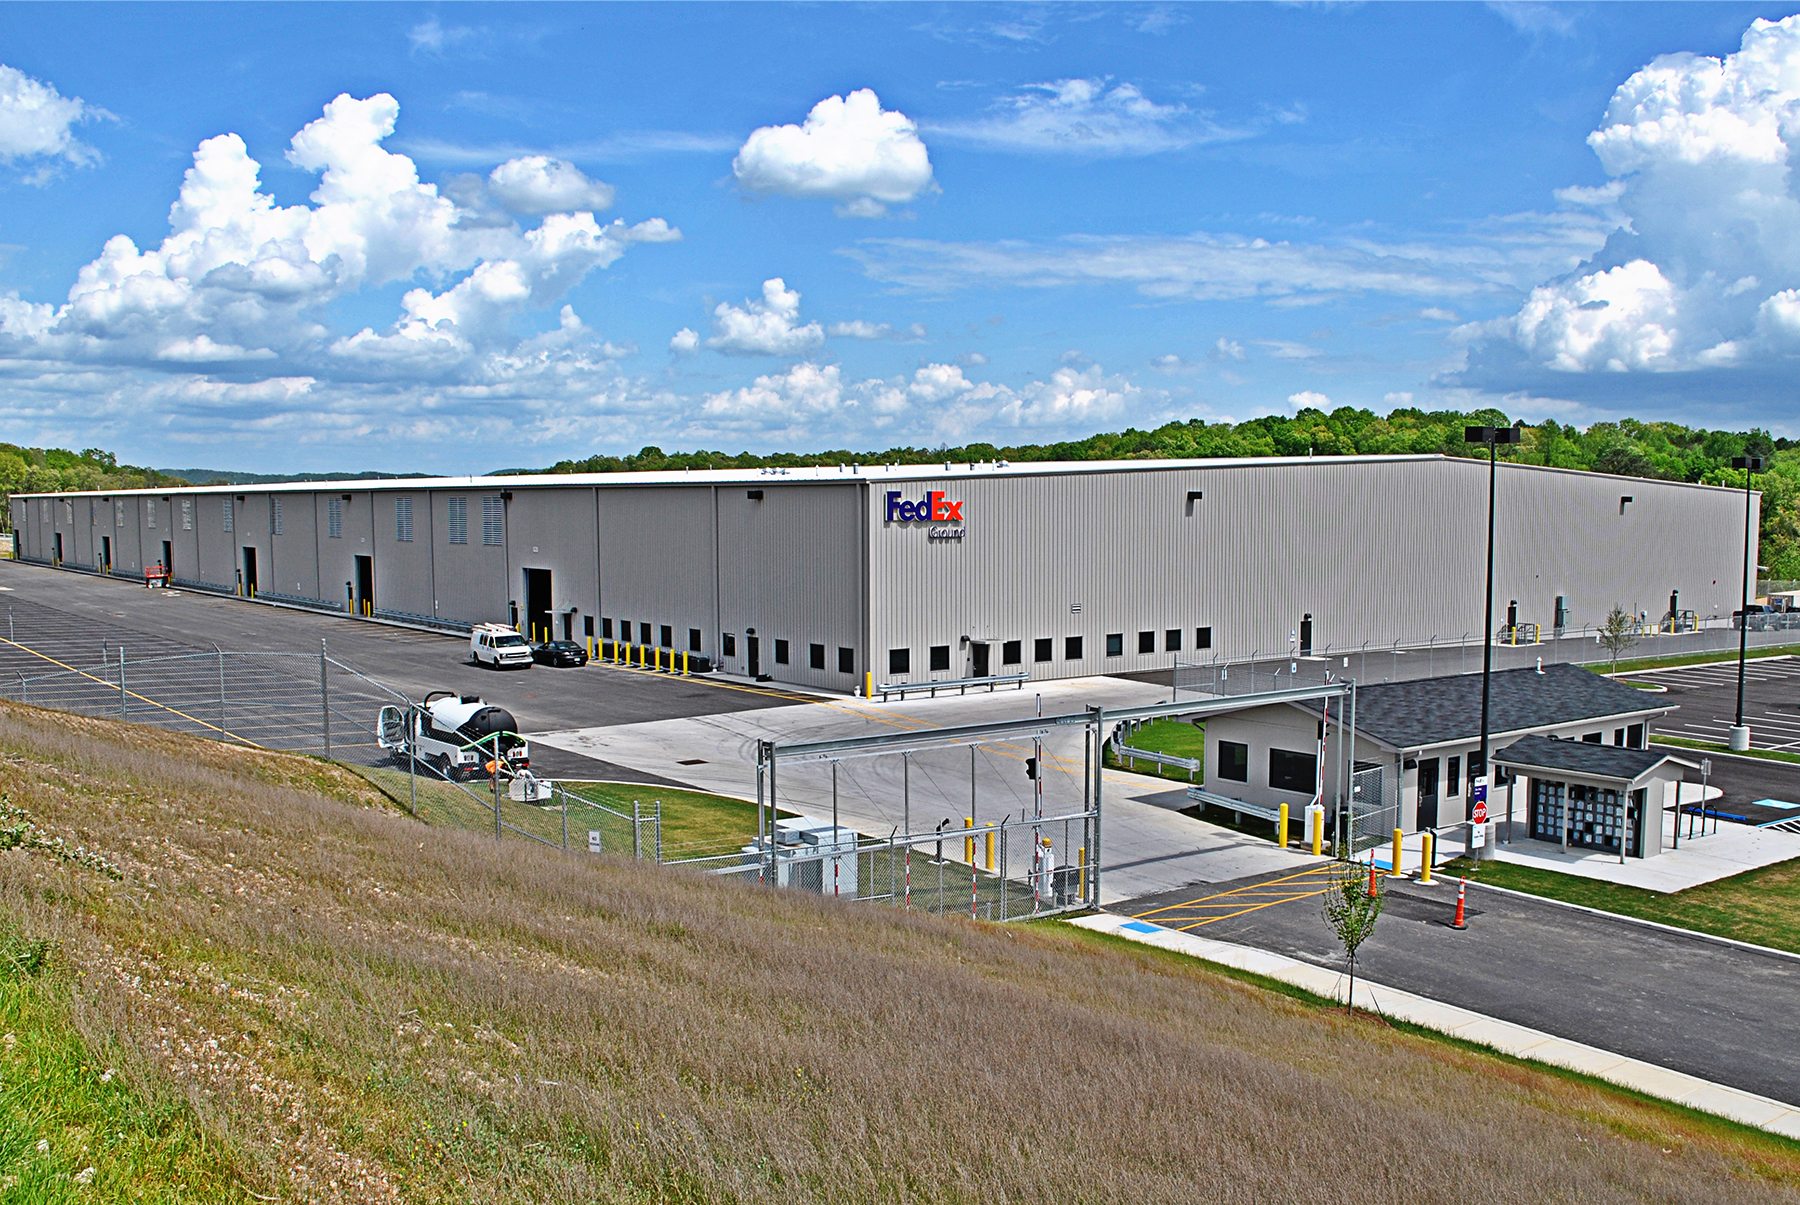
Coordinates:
300 994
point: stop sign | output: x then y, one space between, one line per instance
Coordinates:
1479 815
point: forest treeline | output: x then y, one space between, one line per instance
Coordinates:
1663 450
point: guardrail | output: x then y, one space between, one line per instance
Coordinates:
1131 757
423 621
1243 807
961 685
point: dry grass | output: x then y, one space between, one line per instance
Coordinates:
361 1008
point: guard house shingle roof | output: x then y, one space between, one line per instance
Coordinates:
1439 711
1583 758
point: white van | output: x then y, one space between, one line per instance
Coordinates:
497 645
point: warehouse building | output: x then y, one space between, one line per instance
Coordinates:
836 577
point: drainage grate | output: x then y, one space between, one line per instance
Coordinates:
691 761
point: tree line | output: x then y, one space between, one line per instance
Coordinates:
1661 450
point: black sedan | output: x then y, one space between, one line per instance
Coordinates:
559 652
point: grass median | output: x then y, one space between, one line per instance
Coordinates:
1757 906
1172 738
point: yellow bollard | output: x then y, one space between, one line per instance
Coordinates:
1425 861
868 684
1281 823
969 841
1318 838
684 664
1398 835
990 849
1081 860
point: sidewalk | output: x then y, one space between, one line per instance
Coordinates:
1503 1036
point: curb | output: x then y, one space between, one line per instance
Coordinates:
1504 1037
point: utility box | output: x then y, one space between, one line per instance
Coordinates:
812 855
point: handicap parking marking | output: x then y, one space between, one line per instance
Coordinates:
1138 926
1778 804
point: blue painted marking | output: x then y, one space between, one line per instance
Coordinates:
1138 926
1779 804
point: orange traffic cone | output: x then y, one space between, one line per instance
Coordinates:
1462 891
1374 884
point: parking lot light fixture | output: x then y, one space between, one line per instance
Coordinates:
1740 731
1492 437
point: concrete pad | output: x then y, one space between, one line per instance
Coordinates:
1506 1037
1732 850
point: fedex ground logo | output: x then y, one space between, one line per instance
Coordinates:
934 507
943 513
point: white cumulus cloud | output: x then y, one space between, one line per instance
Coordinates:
1704 263
539 184
849 150
1086 117
1308 399
770 327
37 125
684 341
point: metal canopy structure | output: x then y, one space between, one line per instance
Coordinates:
1093 721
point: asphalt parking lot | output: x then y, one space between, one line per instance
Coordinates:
1720 1012
1707 697
81 621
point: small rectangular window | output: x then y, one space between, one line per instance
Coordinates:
1453 777
1146 642
149 513
1012 652
1234 761
1172 640
459 520
644 631
728 645
187 514
1042 649
693 640
275 516
815 656
493 520
781 651
1618 736
899 661
940 656
1291 771
605 628
334 519
227 517
1071 648
1202 638
118 513
668 636
1592 738
846 660
1115 644
1634 737
403 520
587 626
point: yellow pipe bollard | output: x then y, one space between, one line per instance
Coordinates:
1318 838
868 684
990 849
1281 823
684 664
1398 835
1425 861
1081 860
969 841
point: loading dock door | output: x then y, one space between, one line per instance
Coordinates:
249 571
365 585
168 562
106 554
57 555
537 604
753 647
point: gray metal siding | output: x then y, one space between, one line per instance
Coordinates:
472 581
790 568
657 562
554 529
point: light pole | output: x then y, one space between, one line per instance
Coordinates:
1740 731
1493 437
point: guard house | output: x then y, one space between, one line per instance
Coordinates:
1424 736
1587 796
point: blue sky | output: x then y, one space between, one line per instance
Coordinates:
458 237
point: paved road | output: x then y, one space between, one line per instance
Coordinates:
1707 698
1711 1010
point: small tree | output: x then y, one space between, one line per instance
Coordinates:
1351 911
1618 633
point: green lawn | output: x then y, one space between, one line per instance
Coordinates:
1716 747
1177 738
1757 906
1672 662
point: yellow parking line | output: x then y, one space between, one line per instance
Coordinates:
128 691
1253 908
1310 872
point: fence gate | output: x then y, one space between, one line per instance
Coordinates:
1374 811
